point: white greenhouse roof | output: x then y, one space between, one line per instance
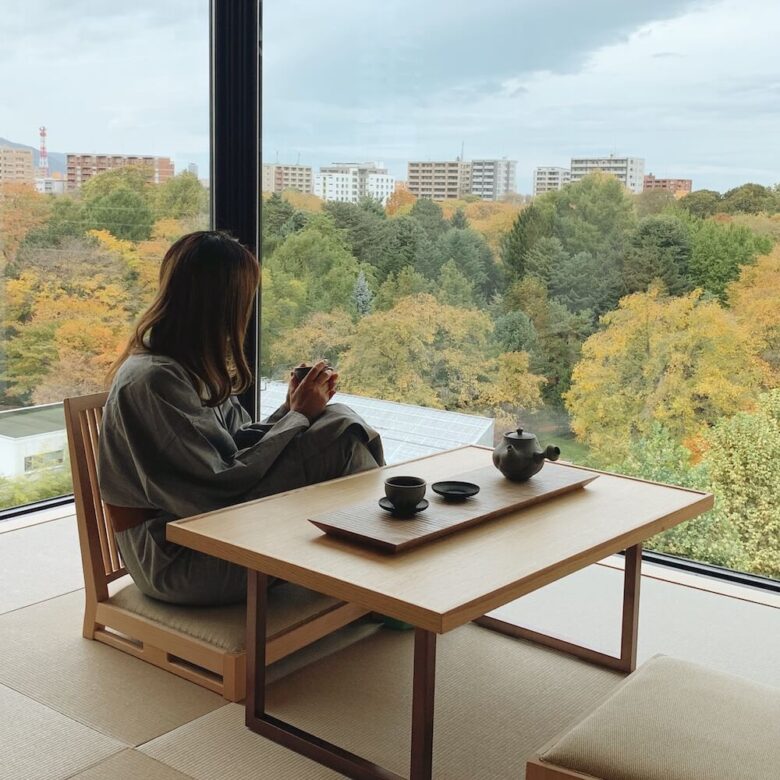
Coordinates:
407 431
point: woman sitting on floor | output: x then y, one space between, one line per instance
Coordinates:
175 442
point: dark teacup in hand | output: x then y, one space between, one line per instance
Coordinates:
405 493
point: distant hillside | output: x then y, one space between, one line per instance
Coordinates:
56 159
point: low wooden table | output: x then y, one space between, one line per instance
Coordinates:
436 587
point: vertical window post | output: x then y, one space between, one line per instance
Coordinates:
235 142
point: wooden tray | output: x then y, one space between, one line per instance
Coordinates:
366 523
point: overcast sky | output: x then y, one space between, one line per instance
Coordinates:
693 86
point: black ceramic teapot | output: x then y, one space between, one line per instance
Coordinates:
518 455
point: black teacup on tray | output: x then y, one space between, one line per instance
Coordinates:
455 491
388 506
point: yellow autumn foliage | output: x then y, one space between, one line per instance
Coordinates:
683 362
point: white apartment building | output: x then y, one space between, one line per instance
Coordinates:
550 178
439 179
630 171
349 182
278 178
16 165
493 179
50 185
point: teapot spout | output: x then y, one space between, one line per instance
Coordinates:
552 452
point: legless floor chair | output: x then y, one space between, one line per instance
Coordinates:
203 645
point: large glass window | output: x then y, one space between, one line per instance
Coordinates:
119 100
483 224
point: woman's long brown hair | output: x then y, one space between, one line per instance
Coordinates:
201 312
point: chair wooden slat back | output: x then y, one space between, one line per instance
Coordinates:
99 554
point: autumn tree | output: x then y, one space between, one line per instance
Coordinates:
401 199
22 209
324 335
682 362
427 353
754 299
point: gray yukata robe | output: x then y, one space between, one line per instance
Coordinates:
161 448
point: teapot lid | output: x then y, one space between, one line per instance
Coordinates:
519 435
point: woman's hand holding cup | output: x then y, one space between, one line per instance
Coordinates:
310 394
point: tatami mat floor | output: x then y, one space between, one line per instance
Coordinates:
74 708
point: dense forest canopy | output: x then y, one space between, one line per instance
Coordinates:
647 327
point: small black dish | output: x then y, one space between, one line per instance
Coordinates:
388 506
455 491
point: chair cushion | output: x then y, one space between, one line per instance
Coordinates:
674 720
225 627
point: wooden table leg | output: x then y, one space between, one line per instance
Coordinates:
423 704
626 661
311 746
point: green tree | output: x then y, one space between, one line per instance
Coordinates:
546 254
136 178
531 224
402 242
586 283
361 223
660 457
429 216
67 219
362 295
401 285
318 257
275 214
593 215
372 206
458 219
560 334
651 202
182 196
750 199
454 288
659 248
123 212
470 253
514 332
719 250
701 203
743 458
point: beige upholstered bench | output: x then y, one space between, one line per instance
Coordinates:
671 720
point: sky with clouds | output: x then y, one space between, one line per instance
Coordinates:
693 86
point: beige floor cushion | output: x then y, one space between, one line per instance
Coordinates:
224 627
674 720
